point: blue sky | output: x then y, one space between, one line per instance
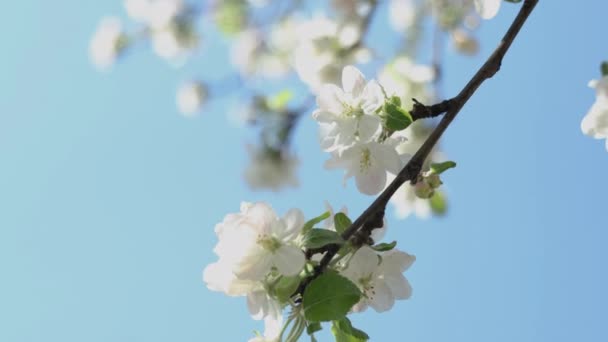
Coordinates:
108 197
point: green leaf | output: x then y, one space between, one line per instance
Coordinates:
329 297
318 237
285 287
396 100
341 222
439 203
279 101
313 328
604 68
397 118
344 331
439 168
311 223
383 247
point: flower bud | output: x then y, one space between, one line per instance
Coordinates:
423 189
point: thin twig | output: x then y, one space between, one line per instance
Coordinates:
372 216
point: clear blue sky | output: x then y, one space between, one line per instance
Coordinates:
108 197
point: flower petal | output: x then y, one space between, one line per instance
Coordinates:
373 98
369 128
353 81
331 99
289 260
400 287
255 266
381 299
294 221
371 180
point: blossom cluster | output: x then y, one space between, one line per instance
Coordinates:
261 256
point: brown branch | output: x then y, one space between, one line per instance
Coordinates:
372 216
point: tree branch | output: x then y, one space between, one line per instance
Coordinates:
372 216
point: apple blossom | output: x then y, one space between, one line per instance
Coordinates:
256 240
348 115
379 277
369 164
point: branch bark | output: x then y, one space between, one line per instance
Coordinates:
373 215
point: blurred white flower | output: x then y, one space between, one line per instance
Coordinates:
487 9
190 98
157 14
402 14
403 78
379 277
174 42
256 241
324 49
368 163
271 170
348 115
107 43
595 123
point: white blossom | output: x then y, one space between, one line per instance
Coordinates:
324 48
487 9
402 14
406 79
271 170
157 14
107 42
256 241
379 277
190 98
348 115
369 164
595 123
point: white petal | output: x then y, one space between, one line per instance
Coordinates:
289 260
487 9
294 221
372 180
369 127
365 261
381 299
324 116
373 97
255 266
353 81
397 261
386 157
331 98
257 303
400 287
